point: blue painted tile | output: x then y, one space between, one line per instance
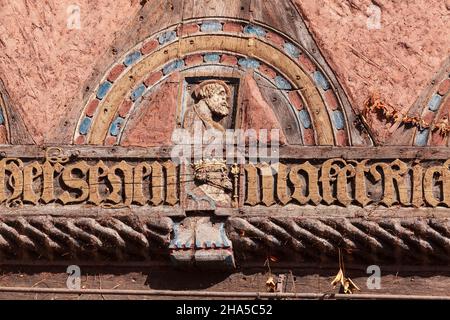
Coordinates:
435 102
174 65
85 125
305 118
175 239
223 236
257 31
137 93
249 63
211 26
208 244
321 81
282 83
167 37
2 118
292 50
116 126
338 120
422 137
198 244
212 57
132 58
103 89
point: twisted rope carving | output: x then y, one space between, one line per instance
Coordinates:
394 239
113 238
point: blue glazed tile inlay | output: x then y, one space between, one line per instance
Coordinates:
258 31
137 93
103 89
167 37
174 65
249 63
173 242
114 130
2 118
212 57
338 120
85 125
434 103
223 236
305 118
211 26
132 58
422 137
292 50
282 83
321 81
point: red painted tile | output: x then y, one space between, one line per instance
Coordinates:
227 59
275 38
307 64
115 72
194 59
268 71
110 141
331 100
90 110
188 29
341 137
125 108
308 137
149 46
444 87
232 27
296 100
153 78
428 116
80 140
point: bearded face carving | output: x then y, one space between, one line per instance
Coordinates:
211 105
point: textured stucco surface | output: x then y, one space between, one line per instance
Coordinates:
397 61
44 64
46 67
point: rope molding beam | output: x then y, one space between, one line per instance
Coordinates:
391 240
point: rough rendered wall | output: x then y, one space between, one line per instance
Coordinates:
397 61
45 66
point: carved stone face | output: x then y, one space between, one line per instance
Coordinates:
218 102
216 97
215 177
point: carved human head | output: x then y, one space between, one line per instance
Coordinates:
214 173
215 93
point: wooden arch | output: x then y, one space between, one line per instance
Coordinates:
321 108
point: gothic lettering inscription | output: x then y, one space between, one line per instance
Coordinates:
349 182
120 183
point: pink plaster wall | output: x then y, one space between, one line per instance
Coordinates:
45 66
397 61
